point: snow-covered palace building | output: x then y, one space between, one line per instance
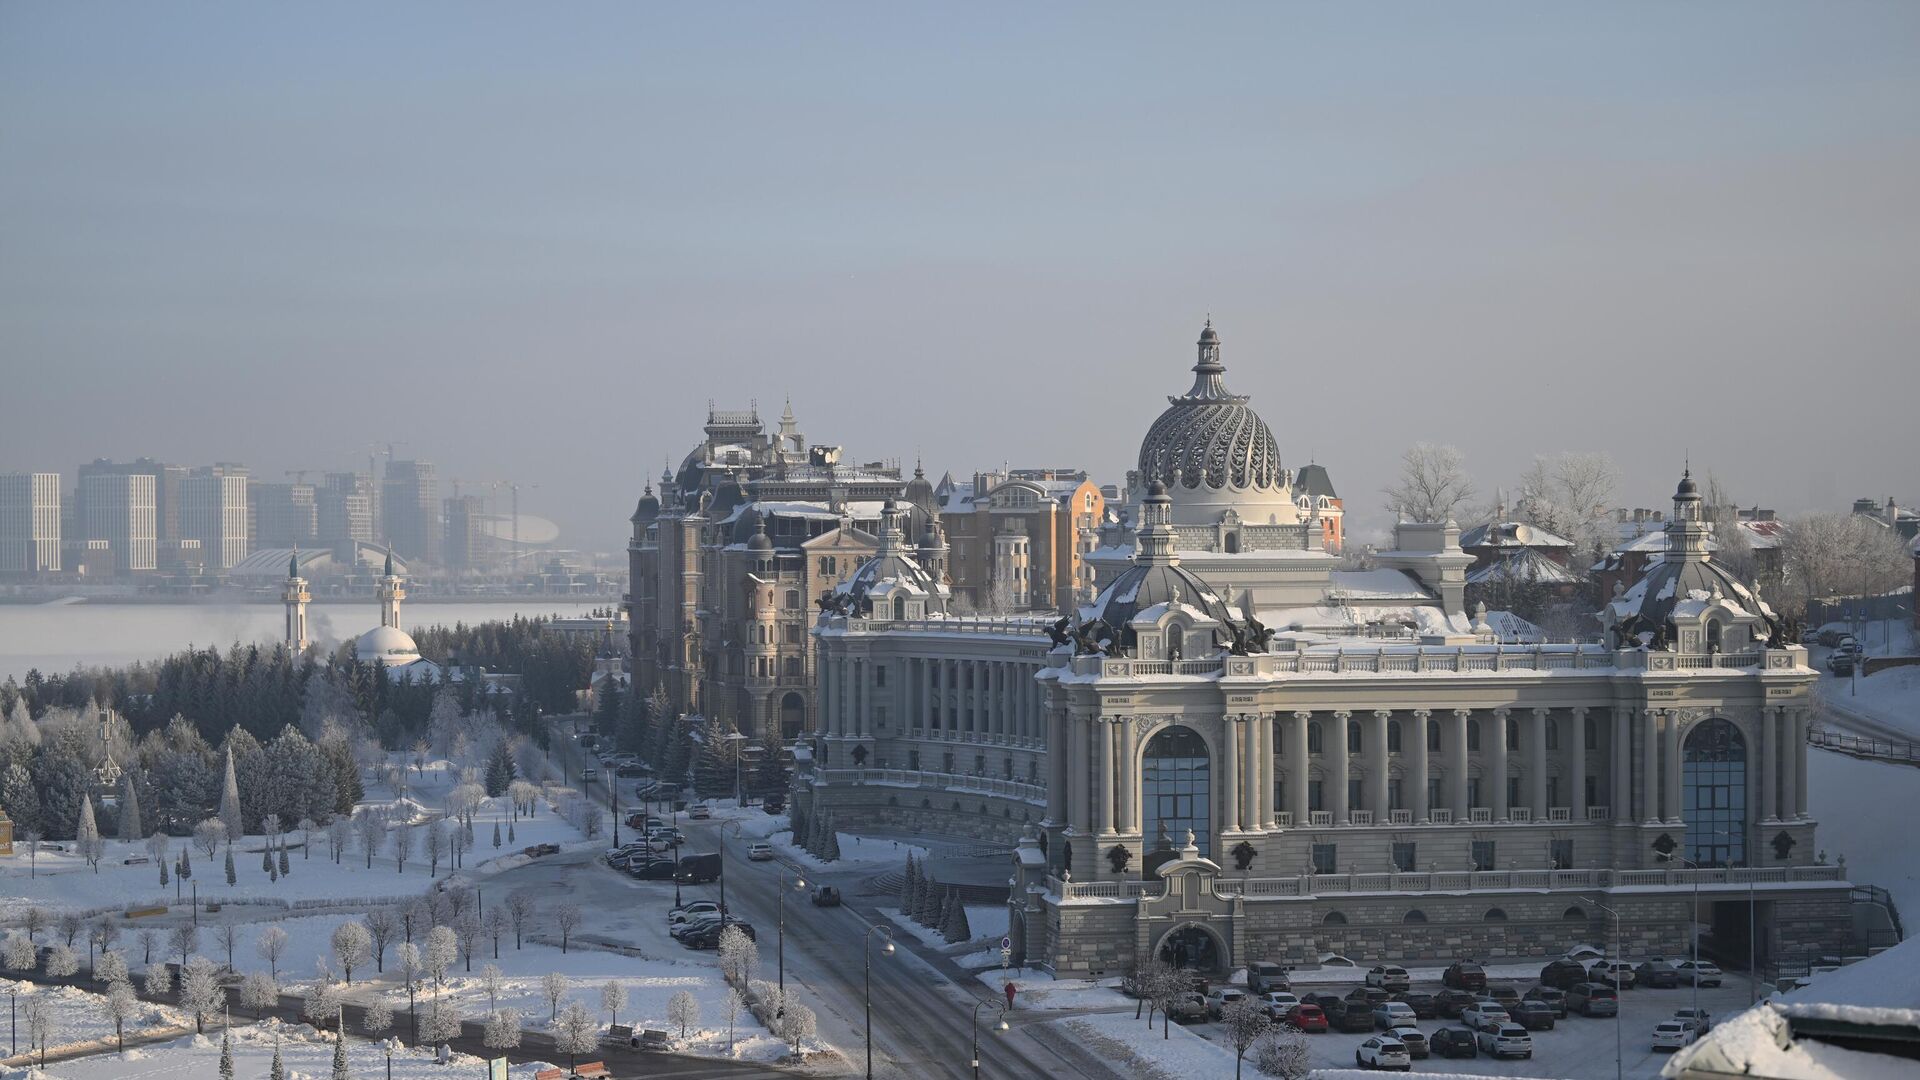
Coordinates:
1195 774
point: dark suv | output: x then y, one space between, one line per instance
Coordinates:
1421 1002
1563 973
1351 1015
1593 999
1465 975
1453 1043
1450 1003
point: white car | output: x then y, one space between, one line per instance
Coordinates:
1391 1014
1277 1002
699 909
1674 1035
1382 1052
1504 1040
759 851
1219 999
1389 977
1483 1014
1698 973
1586 954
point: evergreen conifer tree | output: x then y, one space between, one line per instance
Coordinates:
278 1070
266 860
226 1056
830 844
230 800
284 868
496 832
906 887
956 929
129 810
340 1056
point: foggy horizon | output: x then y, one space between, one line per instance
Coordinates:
530 246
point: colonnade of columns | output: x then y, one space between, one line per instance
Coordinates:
1776 764
988 700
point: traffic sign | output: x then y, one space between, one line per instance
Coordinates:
1006 943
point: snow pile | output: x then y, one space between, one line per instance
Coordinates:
1882 989
1758 1042
1138 1050
81 1017
1035 989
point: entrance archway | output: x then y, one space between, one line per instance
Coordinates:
1713 795
1176 793
793 711
1192 948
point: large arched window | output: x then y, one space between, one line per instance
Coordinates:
1174 788
1315 740
1393 736
1414 916
1334 918
1713 798
1473 734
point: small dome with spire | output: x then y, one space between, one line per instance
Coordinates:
647 509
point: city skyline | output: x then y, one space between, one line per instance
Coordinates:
1497 211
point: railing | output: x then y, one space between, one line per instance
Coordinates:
958 624
1441 815
936 781
1480 815
1320 817
1400 817
1360 817
1283 819
1462 881
1520 815
1599 813
1717 660
1559 813
1907 753
1402 658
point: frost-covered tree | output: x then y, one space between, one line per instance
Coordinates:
576 1033
324 998
340 1050
157 850
494 923
739 956
408 962
1572 493
401 843
159 981
731 1005
1841 554
553 986
377 1019
795 1025
352 946
370 828
339 833
683 1009
1433 484
208 835
111 967
259 992
61 962
383 925
271 945
87 835
229 813
183 940
1285 1054
443 948
123 1005
502 1030
130 830
17 952
467 927
277 1070
1246 1023
200 993
436 844
613 998
566 919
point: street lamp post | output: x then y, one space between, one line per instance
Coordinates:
866 951
1001 1026
798 883
1619 1057
1693 928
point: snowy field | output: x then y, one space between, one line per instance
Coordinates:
306 1055
79 1017
1135 1050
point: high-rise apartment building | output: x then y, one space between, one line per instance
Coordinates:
166 494
284 515
344 508
29 523
213 510
410 509
467 539
120 510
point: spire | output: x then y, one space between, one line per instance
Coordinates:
1156 528
389 569
1687 530
1208 384
293 564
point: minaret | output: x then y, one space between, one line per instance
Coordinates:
1156 528
390 594
296 597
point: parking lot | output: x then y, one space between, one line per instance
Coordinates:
1577 1048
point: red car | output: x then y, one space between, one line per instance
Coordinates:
1307 1018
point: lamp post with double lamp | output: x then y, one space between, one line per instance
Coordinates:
798 883
1693 926
1619 1058
866 950
1000 1025
738 752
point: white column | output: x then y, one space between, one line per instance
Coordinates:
1537 764
823 717
1770 723
1799 759
1250 770
1103 766
1230 775
1417 768
1497 764
1454 742
1077 764
1128 778
1339 772
1650 767
1670 767
926 694
1620 771
1577 765
1297 774
1057 754
1375 747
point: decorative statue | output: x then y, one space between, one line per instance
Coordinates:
1058 631
1118 856
1782 846
1243 854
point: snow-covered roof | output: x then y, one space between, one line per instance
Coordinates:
1376 585
1523 564
1510 534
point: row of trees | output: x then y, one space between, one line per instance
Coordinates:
925 902
680 746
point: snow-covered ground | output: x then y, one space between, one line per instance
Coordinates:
1149 1053
305 1053
1849 797
80 1017
1035 989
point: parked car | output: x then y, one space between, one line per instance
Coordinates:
1320 998
760 851
651 1039
1307 1017
1414 1040
1485 1013
1549 996
1563 973
1350 1016
1392 1014
1382 1052
1504 1040
1450 1003
1532 1015
1278 1003
774 804
686 913
707 935
1464 975
1673 1035
1701 1019
1187 1008
631 771
1219 999
1656 973
1504 994
1593 999
698 869
1842 661
1371 995
699 812
1421 1002
826 896
1614 973
1389 977
1264 976
652 869
1586 954
1454 1043
1698 972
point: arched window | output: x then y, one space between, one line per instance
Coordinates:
1316 740
1713 635
1233 543
1353 736
1513 733
900 607
1552 729
1473 734
1393 736
1414 916
1713 796
1175 791
1494 915
793 599
1574 914
1334 918
1433 735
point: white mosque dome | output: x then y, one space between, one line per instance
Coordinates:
387 646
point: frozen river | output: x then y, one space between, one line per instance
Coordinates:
55 637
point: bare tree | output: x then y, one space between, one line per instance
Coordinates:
402 846
307 827
1245 1020
229 937
613 998
272 945
1433 483
382 926
339 832
1284 1054
1572 494
467 928
566 918
208 834
491 982
183 939
731 1005
35 921
370 826
520 908
495 924
684 1009
69 926
553 986
436 844
408 962
148 938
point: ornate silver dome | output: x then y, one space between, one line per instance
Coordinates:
1209 436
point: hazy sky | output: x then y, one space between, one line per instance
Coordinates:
531 241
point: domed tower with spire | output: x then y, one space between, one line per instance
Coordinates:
296 598
1686 602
